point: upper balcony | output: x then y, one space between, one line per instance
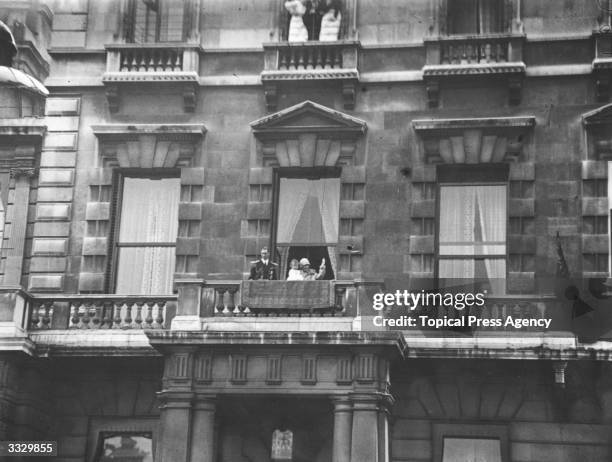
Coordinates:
152 63
474 55
317 44
85 324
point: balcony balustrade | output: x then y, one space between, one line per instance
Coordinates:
454 56
169 63
276 298
100 312
298 61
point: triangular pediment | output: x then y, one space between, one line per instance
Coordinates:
308 117
602 115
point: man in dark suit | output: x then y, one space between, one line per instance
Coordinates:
263 268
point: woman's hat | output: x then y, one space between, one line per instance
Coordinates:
304 261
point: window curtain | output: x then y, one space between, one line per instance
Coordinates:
492 213
457 214
293 194
314 205
473 223
328 195
149 215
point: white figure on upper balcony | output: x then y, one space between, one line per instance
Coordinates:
295 273
297 29
330 22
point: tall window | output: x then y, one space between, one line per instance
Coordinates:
475 16
472 236
307 221
149 21
146 239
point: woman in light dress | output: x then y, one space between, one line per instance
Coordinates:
330 22
297 29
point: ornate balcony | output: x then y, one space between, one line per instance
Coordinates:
152 63
291 61
458 56
276 298
100 312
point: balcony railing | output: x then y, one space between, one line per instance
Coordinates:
129 63
147 58
475 50
297 61
100 312
328 58
276 298
474 55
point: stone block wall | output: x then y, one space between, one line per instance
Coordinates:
543 422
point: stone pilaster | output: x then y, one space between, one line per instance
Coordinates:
203 429
175 424
343 422
364 435
19 220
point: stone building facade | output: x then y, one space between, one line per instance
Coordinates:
434 142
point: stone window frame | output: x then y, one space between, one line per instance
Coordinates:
348 26
115 215
511 13
462 176
99 425
470 431
128 23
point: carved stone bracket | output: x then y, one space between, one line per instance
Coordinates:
190 97
112 97
515 89
603 77
22 172
349 94
432 86
271 95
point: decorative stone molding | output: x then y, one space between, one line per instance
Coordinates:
22 172
473 141
148 145
308 135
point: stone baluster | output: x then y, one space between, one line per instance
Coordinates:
148 318
138 318
159 319
117 317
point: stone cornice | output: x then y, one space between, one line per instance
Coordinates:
126 130
445 70
423 125
312 74
150 77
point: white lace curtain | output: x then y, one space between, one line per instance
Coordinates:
149 217
314 205
473 224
